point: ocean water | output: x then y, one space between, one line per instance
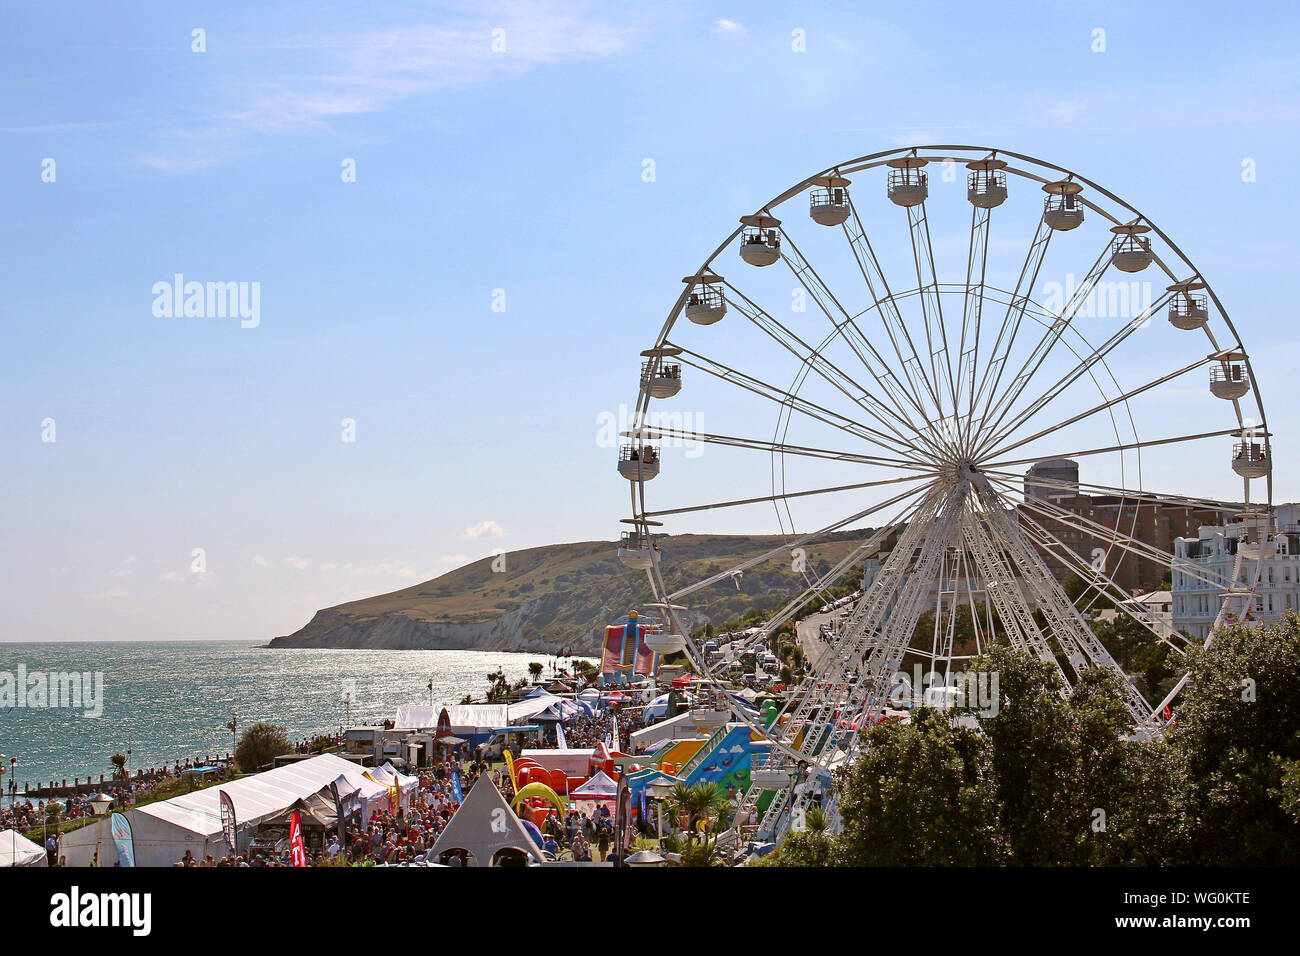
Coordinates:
172 701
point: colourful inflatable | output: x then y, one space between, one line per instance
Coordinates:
539 791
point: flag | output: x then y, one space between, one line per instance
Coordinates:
560 742
297 852
228 825
1167 713
456 793
613 723
123 840
510 767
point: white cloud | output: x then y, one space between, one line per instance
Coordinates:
297 563
260 562
725 27
387 569
348 75
484 529
111 595
1065 112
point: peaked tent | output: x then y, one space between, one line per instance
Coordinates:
17 850
484 825
316 810
600 787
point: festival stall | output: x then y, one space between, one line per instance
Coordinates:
600 789
17 850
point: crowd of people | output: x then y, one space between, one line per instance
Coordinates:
389 836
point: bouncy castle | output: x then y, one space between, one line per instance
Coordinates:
625 653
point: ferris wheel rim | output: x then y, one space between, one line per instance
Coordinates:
881 158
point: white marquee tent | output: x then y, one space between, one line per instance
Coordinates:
17 850
163 831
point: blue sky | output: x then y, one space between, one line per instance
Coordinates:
519 170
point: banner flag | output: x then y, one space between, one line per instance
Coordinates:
123 840
228 822
510 767
455 787
297 852
560 742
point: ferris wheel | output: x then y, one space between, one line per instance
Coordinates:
909 388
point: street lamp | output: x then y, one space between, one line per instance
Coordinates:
99 804
645 858
661 790
233 725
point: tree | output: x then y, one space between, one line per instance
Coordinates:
920 794
1238 729
118 762
696 806
812 847
535 670
259 745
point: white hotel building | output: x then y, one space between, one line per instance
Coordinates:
1213 552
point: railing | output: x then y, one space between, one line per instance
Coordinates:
986 182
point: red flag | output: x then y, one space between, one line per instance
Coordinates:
1168 714
297 853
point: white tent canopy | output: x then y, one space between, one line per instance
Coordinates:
17 850
163 831
600 787
484 825
681 727
543 704
464 716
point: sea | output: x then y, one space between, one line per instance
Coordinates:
166 702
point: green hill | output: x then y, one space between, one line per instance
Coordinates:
558 598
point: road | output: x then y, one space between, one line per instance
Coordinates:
810 641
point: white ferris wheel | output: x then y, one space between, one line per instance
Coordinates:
883 376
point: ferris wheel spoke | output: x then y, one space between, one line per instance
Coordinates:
812 357
1085 366
927 284
1003 590
1097 580
847 328
991 377
811 536
785 496
1114 448
1109 535
654 433
881 626
972 314
863 551
886 306
1140 496
1095 410
1072 633
1052 334
893 441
